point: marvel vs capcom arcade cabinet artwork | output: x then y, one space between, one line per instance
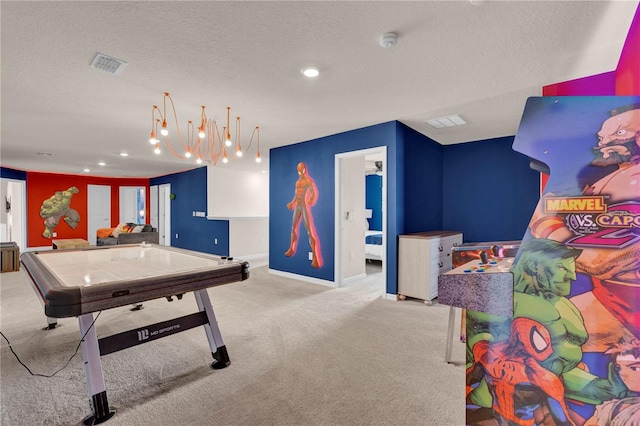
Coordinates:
570 353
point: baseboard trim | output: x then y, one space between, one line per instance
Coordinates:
354 278
38 248
303 278
255 260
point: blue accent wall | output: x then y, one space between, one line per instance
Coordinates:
414 179
490 192
195 233
421 170
373 201
7 173
319 156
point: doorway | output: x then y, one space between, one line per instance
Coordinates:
13 219
98 210
348 215
132 204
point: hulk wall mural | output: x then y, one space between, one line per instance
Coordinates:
57 207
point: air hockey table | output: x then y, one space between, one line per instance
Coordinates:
79 282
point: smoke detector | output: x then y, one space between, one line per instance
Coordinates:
388 40
108 64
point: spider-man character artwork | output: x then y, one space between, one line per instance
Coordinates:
524 392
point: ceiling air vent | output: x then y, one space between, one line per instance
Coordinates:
449 121
108 64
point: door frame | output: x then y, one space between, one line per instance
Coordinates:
338 281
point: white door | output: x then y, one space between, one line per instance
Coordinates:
153 208
164 214
98 210
352 221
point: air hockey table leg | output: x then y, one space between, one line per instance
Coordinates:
218 349
449 344
93 372
51 323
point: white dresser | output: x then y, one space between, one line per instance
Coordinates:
421 258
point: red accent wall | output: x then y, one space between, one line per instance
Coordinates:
41 186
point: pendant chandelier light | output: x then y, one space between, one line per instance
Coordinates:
204 143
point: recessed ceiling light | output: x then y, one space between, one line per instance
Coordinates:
86 170
310 72
124 154
102 163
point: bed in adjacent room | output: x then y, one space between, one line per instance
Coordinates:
373 245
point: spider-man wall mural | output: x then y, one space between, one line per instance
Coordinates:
305 196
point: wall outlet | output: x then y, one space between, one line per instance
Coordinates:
310 255
194 213
215 241
55 234
352 255
176 236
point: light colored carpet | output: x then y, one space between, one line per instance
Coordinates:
301 354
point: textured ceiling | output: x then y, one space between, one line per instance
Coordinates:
479 59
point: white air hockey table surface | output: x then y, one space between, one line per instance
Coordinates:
78 281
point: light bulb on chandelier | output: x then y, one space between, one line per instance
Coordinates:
154 127
204 142
203 124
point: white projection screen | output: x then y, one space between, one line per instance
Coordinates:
236 193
